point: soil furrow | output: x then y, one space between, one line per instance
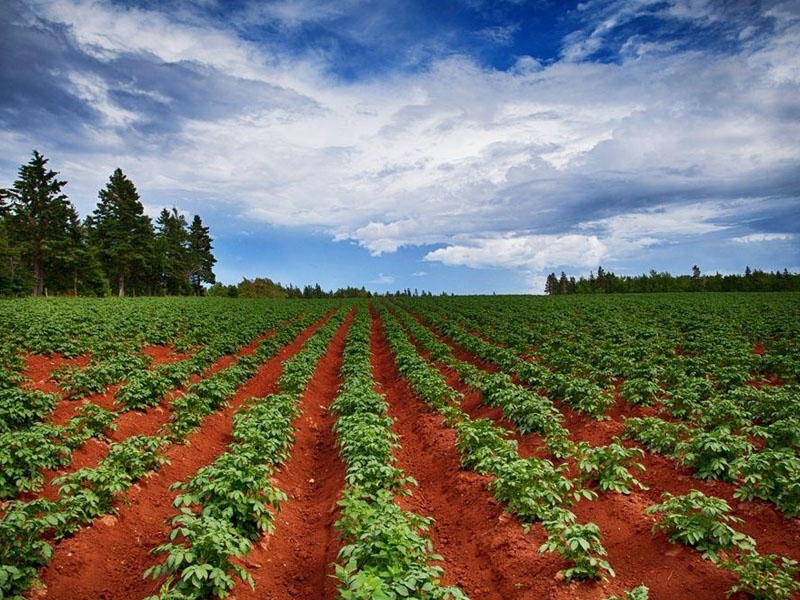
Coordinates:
107 559
669 570
131 422
485 550
295 561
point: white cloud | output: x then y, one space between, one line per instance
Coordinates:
457 154
523 251
758 238
665 221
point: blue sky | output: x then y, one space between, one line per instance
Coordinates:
460 145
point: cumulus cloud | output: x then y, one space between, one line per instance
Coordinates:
549 163
758 238
521 251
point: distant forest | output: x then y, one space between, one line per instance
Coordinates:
45 249
605 282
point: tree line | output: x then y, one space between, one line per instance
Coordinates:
606 282
45 248
264 287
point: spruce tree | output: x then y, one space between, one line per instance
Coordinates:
39 225
201 260
120 232
172 242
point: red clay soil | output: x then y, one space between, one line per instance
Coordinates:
39 368
105 561
295 561
638 556
128 423
485 550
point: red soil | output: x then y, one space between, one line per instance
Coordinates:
128 423
295 561
670 571
164 354
107 559
39 368
485 550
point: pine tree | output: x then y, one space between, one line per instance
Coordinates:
8 260
172 242
120 231
40 220
200 259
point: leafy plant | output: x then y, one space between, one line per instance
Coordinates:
22 549
387 550
91 420
199 558
533 488
764 577
578 543
772 475
701 522
640 391
660 436
640 592
714 454
23 455
609 466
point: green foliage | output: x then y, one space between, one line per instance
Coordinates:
483 445
532 488
199 558
640 391
386 552
581 394
23 408
235 488
640 592
660 436
229 503
22 551
43 226
609 466
714 454
120 232
763 577
701 522
24 454
90 420
142 390
772 475
578 543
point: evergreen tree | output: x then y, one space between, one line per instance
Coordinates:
551 285
8 260
40 221
172 243
120 231
201 260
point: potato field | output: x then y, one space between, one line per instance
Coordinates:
487 447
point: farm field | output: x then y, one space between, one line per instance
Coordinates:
451 447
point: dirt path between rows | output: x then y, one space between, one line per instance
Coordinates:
670 571
105 561
131 422
485 550
295 561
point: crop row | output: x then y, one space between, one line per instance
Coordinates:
768 576
531 488
388 550
91 492
226 505
719 446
